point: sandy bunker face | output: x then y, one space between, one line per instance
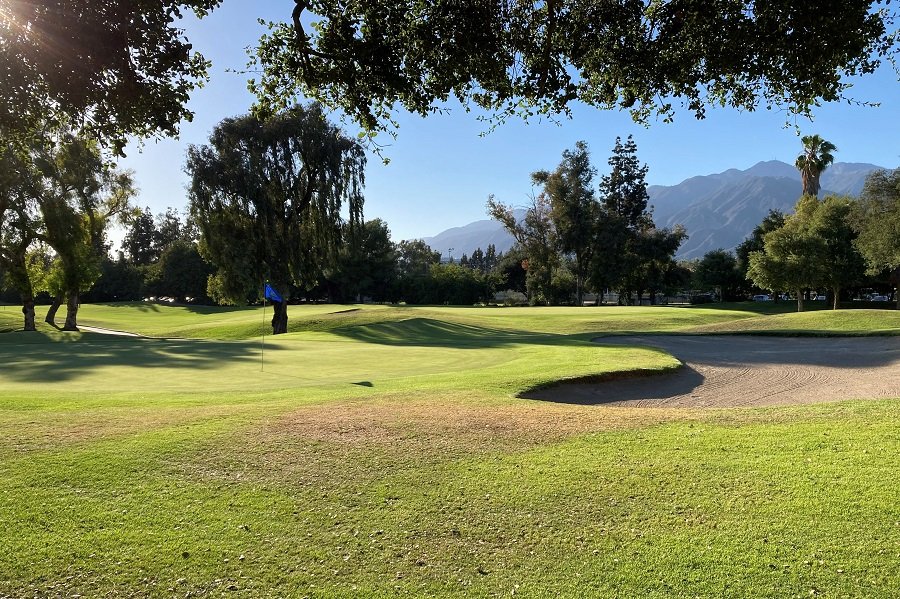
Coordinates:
731 371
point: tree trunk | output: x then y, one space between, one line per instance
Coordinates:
71 312
837 298
279 318
799 300
54 308
579 292
895 280
28 313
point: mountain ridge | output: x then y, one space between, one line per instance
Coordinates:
718 210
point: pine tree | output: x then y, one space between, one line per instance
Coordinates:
623 192
630 252
491 258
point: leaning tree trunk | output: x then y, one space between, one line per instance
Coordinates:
799 300
837 298
54 308
279 318
71 312
28 313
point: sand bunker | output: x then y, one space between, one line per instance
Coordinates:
730 371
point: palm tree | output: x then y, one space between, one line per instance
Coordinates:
816 156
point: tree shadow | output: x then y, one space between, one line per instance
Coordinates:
156 307
139 306
428 332
765 350
39 357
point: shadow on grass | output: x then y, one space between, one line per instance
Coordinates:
139 306
193 308
790 306
44 357
764 350
429 332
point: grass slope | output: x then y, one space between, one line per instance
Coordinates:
382 452
240 323
823 323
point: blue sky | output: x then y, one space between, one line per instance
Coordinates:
442 171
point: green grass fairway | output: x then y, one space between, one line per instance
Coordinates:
240 323
382 451
825 322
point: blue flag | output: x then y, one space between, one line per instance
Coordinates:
272 295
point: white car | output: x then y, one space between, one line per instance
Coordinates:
879 298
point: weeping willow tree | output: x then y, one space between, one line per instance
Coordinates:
268 197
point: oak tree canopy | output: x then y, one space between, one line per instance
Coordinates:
370 57
113 67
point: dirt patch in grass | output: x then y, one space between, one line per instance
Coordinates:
331 446
452 425
351 444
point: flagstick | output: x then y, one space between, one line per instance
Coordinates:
262 349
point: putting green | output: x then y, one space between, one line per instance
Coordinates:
378 346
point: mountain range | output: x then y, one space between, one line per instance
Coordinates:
718 210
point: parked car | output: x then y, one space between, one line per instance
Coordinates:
879 298
819 298
762 298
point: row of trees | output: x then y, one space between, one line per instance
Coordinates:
266 206
831 244
597 239
834 243
160 257
266 199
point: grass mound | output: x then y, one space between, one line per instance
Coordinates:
819 323
206 322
